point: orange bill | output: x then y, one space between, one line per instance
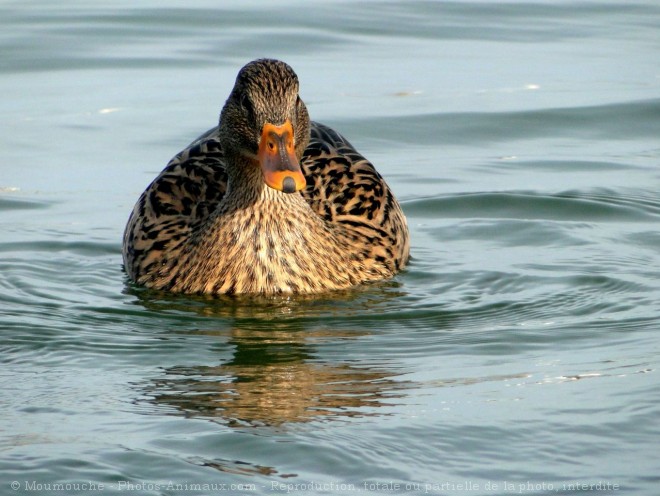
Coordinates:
277 157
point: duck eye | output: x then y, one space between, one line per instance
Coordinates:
246 104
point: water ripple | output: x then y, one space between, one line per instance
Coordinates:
572 206
619 121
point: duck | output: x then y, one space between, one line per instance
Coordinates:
267 202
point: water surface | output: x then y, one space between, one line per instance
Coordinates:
518 353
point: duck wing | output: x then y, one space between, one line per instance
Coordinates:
345 189
182 197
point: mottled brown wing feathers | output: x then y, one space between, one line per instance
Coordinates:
180 198
344 188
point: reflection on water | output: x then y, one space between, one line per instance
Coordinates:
271 381
273 375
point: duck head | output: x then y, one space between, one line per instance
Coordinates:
264 122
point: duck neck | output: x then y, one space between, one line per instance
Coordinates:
246 189
245 183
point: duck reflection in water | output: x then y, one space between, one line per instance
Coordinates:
276 375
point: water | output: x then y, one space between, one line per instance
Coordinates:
517 354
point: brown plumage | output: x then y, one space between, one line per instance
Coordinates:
266 202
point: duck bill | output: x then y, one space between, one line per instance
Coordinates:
277 158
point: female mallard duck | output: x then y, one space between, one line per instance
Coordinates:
266 202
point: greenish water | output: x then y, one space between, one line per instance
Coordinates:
518 354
